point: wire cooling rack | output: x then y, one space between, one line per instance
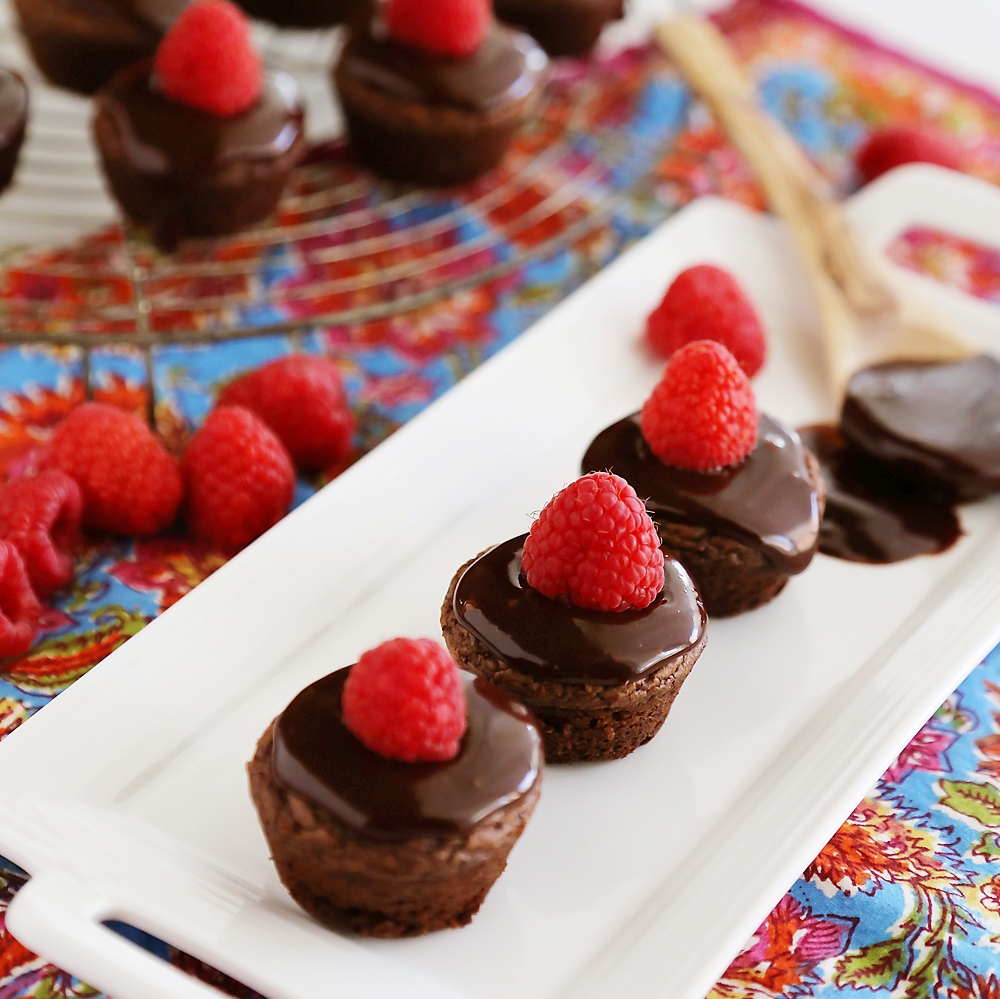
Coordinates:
343 247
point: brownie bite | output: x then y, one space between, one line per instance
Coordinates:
13 122
561 27
302 13
388 848
417 116
81 44
183 172
583 619
741 531
933 423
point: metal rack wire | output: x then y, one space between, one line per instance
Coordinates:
343 247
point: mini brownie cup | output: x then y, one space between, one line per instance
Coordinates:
741 528
600 682
425 118
388 848
561 27
302 13
185 171
80 44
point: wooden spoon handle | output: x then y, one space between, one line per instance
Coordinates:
844 280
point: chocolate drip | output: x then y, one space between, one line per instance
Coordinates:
317 757
161 137
551 640
13 107
159 13
503 70
933 421
767 501
870 516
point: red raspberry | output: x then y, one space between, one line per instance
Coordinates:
594 542
301 398
130 483
404 699
702 415
442 27
207 59
892 147
707 303
40 517
239 478
19 607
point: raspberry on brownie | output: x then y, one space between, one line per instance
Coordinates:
583 620
391 792
199 141
734 494
434 91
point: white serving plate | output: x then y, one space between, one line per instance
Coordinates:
637 878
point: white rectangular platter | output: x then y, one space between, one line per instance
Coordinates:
637 878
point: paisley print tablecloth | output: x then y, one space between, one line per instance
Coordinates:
905 899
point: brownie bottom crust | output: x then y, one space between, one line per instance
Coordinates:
81 44
417 143
579 722
375 887
731 577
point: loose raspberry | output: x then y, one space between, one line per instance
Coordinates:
892 147
702 415
301 398
40 517
239 478
441 27
594 543
404 699
130 483
207 59
19 607
707 303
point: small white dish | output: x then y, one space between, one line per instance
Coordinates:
637 878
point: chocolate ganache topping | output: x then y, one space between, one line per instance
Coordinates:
502 70
931 420
159 136
766 502
871 516
551 640
316 756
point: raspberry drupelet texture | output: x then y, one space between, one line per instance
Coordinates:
40 517
129 482
239 478
888 148
441 27
404 699
19 607
702 415
705 302
301 398
207 59
595 543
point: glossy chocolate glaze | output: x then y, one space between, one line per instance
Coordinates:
161 137
159 13
13 120
930 420
551 640
766 502
503 70
872 517
317 757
